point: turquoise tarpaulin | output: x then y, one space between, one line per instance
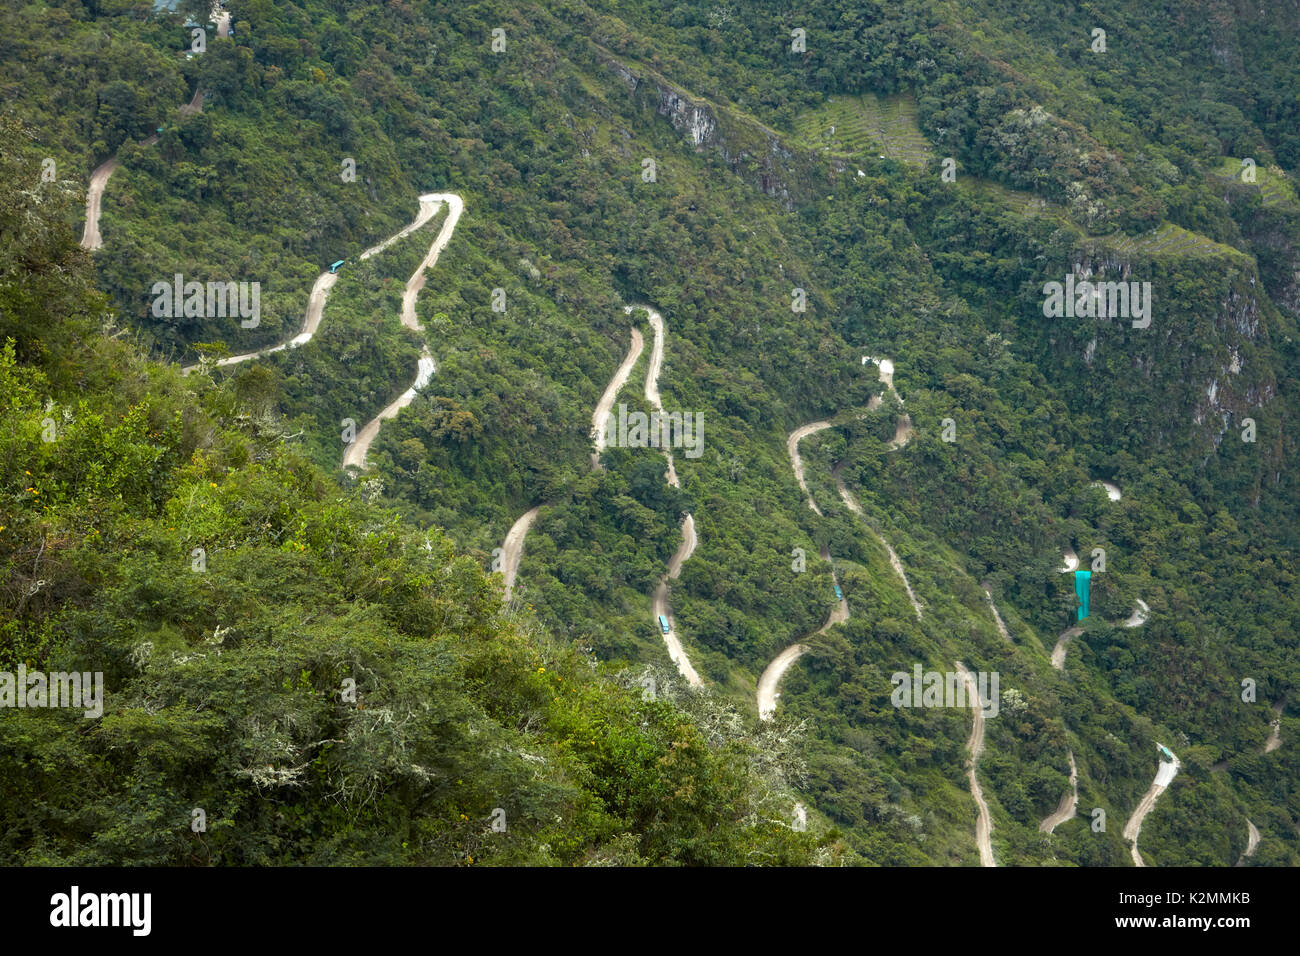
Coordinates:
1082 582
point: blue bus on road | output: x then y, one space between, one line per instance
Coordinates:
839 595
336 266
663 624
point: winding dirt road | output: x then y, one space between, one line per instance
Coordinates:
1252 843
983 821
770 679
355 454
1165 774
430 203
1112 491
894 560
997 618
600 417
1139 615
772 674
659 604
90 237
1136 619
902 436
512 550
1063 645
652 380
1274 731
792 448
1065 810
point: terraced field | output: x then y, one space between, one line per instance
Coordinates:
1170 240
1273 185
861 125
1027 204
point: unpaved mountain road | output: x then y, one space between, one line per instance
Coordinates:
1274 731
1165 773
792 449
355 454
1139 615
772 674
429 204
652 380
983 819
997 618
90 236
770 679
1112 491
1252 843
659 603
894 561
1065 810
600 417
512 550
1063 646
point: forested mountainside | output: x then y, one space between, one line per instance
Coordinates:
357 587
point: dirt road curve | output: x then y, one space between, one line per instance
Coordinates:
600 417
903 433
1165 773
660 604
512 551
1112 491
1275 731
1065 810
652 380
1002 627
429 206
984 821
894 560
772 674
1252 843
792 448
771 679
1139 615
1063 645
355 454
90 237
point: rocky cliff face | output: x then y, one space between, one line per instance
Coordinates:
1200 368
751 150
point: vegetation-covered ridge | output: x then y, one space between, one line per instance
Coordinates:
1123 165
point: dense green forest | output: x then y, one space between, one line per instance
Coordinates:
916 171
